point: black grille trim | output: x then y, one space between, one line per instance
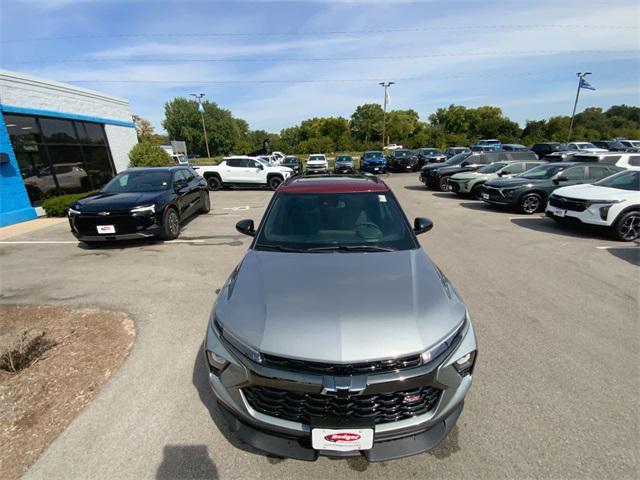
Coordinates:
379 408
320 368
568 203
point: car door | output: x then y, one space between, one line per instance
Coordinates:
192 187
233 171
255 172
180 188
512 169
570 176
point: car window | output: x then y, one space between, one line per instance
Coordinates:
254 164
634 160
627 180
303 221
598 172
513 168
574 173
188 175
610 159
139 181
542 172
179 178
491 168
234 162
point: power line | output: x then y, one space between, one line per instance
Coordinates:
457 28
318 59
322 80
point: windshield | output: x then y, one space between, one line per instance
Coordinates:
139 181
430 151
456 159
542 172
290 161
627 180
561 147
402 153
366 220
368 155
343 158
492 168
262 162
316 158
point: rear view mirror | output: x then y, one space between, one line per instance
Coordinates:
422 225
246 227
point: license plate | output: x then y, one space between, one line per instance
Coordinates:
104 229
342 440
376 169
450 187
485 196
559 213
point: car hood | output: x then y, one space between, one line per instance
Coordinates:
105 202
345 162
472 175
339 307
595 192
374 159
514 182
279 169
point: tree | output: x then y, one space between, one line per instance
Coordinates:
366 123
401 125
148 154
183 122
144 129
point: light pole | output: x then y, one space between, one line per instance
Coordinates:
384 114
580 75
199 97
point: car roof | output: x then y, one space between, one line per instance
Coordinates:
155 169
334 184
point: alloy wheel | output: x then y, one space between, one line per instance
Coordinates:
531 204
630 228
174 223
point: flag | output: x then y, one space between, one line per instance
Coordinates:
200 107
387 97
586 85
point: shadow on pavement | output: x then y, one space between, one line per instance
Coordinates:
186 462
546 225
485 207
200 380
628 254
420 188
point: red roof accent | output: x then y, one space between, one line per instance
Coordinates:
333 185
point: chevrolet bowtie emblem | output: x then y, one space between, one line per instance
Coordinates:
103 214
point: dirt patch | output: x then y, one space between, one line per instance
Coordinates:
53 361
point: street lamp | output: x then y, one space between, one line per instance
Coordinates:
384 114
580 76
199 97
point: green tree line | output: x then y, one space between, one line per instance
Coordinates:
451 126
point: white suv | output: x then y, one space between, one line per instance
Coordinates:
613 202
628 160
586 147
242 171
317 163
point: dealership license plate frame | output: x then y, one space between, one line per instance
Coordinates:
322 427
486 196
106 229
558 212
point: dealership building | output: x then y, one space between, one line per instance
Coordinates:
56 139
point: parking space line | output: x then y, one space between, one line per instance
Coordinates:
37 242
625 247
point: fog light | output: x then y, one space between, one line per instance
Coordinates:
216 362
604 211
464 365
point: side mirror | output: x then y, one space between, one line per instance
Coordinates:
246 227
422 225
562 179
260 166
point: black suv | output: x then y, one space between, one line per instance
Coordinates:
403 160
544 149
435 176
293 163
429 155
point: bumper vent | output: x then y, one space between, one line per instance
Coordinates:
380 408
568 204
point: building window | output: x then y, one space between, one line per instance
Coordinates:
58 156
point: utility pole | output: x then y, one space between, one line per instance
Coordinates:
580 75
384 107
199 97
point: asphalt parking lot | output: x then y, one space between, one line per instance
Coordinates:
556 388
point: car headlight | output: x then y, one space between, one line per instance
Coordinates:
216 362
443 345
508 193
147 209
73 211
246 350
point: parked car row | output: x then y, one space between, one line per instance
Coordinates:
600 189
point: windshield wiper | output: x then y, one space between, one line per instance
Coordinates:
351 248
280 248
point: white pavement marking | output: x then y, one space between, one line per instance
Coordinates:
625 247
75 242
237 209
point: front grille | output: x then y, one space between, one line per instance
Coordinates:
494 193
455 186
379 408
568 204
86 224
343 370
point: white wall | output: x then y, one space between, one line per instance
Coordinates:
121 141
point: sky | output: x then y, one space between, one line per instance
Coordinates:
276 63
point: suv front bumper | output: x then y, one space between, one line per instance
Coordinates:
285 438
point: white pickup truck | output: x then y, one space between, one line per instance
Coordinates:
317 163
242 171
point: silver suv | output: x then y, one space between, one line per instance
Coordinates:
336 335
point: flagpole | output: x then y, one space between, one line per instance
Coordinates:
384 110
575 104
199 97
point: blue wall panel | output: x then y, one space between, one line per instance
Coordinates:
14 202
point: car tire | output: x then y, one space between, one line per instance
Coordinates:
530 203
170 224
476 192
274 182
442 183
627 226
205 200
214 183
